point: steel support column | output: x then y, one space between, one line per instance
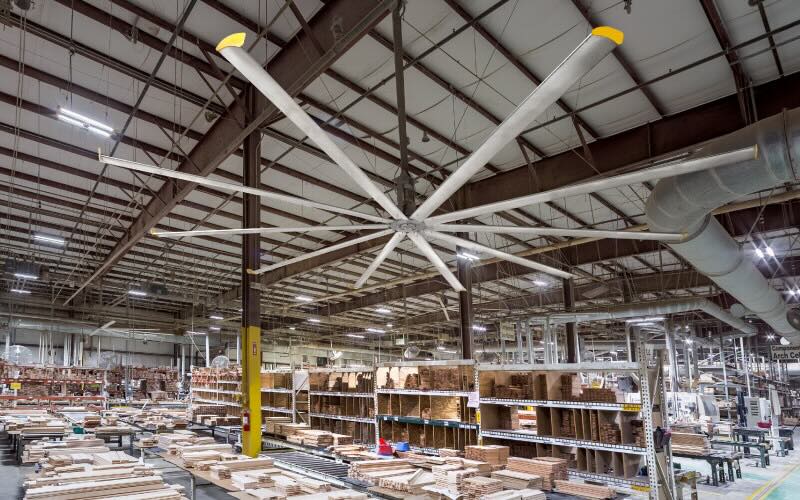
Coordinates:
251 297
569 305
465 304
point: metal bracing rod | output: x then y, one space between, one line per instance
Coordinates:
231 49
264 230
557 231
437 261
196 179
321 251
382 255
671 169
585 57
497 253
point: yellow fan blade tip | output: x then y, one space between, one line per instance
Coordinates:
234 40
612 34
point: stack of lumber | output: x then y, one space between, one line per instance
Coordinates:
288 429
272 423
584 490
448 452
341 439
526 494
332 495
144 487
311 437
482 467
549 469
598 395
567 425
365 469
351 451
478 486
81 448
90 421
224 468
147 442
251 479
514 480
451 477
113 458
610 433
491 454
637 427
412 483
85 472
165 440
690 444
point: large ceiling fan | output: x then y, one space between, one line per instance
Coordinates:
421 227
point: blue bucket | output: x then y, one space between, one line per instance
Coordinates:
402 446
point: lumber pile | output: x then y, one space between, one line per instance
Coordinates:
341 439
368 470
526 494
690 444
145 487
598 395
272 423
448 452
412 483
451 477
610 433
67 449
584 490
351 451
548 468
491 454
478 486
515 480
311 437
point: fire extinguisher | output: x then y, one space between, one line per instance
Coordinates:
246 421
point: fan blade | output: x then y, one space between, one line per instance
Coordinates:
497 253
205 181
387 249
437 261
670 169
591 51
264 230
321 251
556 231
231 49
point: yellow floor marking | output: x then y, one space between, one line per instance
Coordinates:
759 493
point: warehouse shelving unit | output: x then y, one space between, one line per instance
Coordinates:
429 404
593 429
342 401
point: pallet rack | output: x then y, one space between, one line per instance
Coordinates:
429 404
342 401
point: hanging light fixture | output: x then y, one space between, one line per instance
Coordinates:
84 122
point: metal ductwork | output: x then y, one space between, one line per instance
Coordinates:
684 204
658 308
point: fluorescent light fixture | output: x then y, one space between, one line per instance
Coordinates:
644 323
383 310
479 328
304 298
19 290
67 119
292 328
375 330
649 319
441 348
759 253
216 316
689 341
467 256
792 292
770 251
450 352
195 333
26 276
214 328
99 132
770 337
49 239
313 320
389 325
84 120
355 336
540 282
137 293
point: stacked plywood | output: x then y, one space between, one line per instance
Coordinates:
69 450
690 444
550 469
272 423
598 395
492 454
478 486
610 433
637 427
448 452
412 483
584 490
144 487
515 480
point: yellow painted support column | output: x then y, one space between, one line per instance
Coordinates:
251 388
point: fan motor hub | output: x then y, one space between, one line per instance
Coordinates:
407 226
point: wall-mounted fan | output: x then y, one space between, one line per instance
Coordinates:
334 355
221 362
411 352
19 355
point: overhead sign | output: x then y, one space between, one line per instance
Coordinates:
507 331
785 353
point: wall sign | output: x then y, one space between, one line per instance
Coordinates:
785 353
